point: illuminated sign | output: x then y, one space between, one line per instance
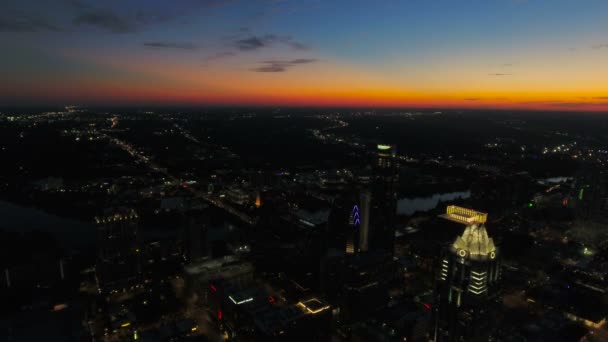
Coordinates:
124 325
383 147
241 301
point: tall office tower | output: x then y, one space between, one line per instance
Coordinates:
385 197
386 156
194 239
468 274
590 197
364 287
352 242
348 225
339 225
118 265
366 202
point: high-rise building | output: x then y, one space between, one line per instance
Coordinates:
590 193
386 156
341 224
365 284
351 235
366 202
118 251
355 275
194 236
469 271
384 195
358 227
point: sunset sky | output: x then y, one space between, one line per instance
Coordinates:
520 54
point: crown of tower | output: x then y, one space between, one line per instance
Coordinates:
475 243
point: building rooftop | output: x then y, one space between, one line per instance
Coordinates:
313 306
274 321
464 215
226 267
241 297
115 215
312 218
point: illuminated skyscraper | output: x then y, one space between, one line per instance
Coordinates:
468 274
386 156
357 237
384 198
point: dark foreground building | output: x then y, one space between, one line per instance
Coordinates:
468 274
118 264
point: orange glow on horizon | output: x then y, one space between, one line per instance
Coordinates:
127 94
327 83
146 79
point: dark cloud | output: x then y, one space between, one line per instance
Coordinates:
212 3
282 65
295 61
257 42
121 22
600 46
105 19
565 103
27 24
95 14
295 45
78 4
219 55
577 104
271 68
167 45
499 74
252 43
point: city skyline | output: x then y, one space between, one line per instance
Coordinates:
511 54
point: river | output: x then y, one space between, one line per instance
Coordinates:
70 232
409 206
